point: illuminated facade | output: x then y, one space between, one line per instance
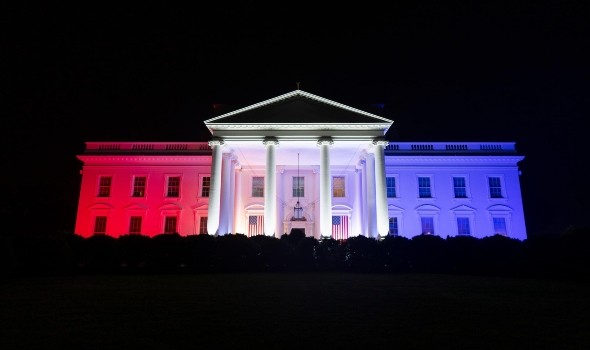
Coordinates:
285 164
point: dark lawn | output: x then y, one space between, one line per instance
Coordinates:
253 311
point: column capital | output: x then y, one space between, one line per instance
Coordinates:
269 140
325 140
380 141
216 141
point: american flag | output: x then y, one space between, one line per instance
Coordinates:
255 225
340 227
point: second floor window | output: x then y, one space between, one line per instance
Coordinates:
104 186
424 187
495 187
205 186
258 186
338 186
173 189
391 192
298 189
459 187
139 186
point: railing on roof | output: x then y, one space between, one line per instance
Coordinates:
165 147
452 147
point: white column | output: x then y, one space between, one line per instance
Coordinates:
357 208
270 187
364 210
280 203
238 215
314 205
380 187
226 204
371 207
325 187
231 219
215 190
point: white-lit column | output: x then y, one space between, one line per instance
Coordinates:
364 210
280 203
238 217
314 207
371 207
270 187
232 200
380 187
357 208
226 205
325 187
215 190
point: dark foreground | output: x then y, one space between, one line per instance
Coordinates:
294 311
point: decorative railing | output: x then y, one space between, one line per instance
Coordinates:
164 147
450 147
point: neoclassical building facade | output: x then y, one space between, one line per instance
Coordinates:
301 162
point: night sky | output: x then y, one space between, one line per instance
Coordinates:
445 71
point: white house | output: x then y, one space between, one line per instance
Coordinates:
301 162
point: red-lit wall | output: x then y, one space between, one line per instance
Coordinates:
154 206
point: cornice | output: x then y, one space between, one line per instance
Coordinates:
301 126
299 93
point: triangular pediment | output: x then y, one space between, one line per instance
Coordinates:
463 208
297 109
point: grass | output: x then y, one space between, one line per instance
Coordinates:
293 311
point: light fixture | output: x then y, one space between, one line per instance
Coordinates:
298 210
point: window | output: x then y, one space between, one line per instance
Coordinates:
258 186
203 225
100 224
500 226
104 186
173 186
135 224
139 186
170 224
338 186
424 187
298 186
459 187
427 225
393 228
205 186
495 187
391 192
463 227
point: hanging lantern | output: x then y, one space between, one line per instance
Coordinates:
298 210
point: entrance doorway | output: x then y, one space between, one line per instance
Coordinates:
297 232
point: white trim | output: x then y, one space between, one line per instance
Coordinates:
298 93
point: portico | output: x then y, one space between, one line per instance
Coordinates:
332 143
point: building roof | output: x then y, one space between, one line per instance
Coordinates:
298 110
